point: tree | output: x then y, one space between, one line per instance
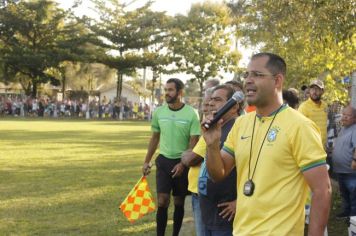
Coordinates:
317 38
133 39
36 36
92 75
192 88
138 86
201 42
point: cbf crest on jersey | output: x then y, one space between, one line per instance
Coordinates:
272 134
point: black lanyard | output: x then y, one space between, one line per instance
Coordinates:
259 152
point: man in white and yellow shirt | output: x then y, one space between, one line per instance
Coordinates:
316 109
278 153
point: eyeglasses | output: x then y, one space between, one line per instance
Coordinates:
255 74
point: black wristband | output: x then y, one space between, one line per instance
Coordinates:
354 159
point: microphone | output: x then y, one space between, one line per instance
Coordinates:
236 98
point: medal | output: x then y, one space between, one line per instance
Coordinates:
249 188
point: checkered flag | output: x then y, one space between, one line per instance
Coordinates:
138 202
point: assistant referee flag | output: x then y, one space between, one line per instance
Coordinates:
138 202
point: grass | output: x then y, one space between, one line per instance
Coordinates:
67 177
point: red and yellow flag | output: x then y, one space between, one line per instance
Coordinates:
138 202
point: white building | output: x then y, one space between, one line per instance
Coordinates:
127 94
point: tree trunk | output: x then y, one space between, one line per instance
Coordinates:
64 80
63 86
201 97
152 96
34 90
119 86
353 90
27 88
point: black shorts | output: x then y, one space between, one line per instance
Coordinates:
164 181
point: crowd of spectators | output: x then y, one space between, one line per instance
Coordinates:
23 106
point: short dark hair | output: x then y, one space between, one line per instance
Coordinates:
291 97
228 88
304 87
178 83
275 63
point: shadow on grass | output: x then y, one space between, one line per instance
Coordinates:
122 139
68 200
99 215
77 120
45 180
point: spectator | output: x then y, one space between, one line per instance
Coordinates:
291 97
344 162
193 161
210 83
316 109
218 200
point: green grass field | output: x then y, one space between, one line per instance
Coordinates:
68 177
65 177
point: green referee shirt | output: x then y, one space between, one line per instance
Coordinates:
175 128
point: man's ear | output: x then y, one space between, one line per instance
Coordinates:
279 79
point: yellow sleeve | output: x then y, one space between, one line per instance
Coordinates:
200 147
307 146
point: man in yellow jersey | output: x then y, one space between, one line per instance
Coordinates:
277 152
316 109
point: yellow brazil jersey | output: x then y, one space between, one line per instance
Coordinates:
318 114
193 174
292 145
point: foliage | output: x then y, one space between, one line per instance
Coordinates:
317 38
191 88
201 43
138 85
35 36
92 75
133 39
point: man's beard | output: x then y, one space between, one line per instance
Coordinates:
171 99
315 98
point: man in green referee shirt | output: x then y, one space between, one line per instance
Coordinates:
176 128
